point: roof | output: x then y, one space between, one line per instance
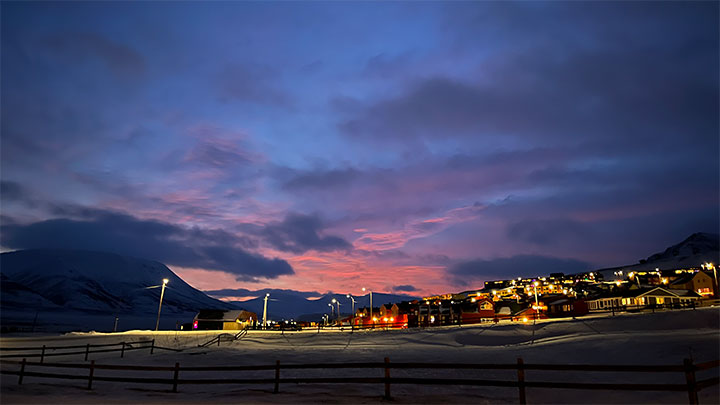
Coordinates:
685 293
224 316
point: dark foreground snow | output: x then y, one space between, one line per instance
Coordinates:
647 339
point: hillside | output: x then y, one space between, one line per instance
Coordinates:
94 282
697 249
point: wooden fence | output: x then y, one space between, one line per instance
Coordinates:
46 351
692 386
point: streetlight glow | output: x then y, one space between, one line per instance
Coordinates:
162 294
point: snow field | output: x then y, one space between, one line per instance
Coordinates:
663 338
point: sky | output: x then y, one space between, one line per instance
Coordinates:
404 147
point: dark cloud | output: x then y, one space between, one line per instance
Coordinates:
298 233
219 153
515 266
243 292
406 287
558 82
108 231
83 46
12 191
547 231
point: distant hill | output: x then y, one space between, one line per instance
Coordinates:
94 282
292 306
698 248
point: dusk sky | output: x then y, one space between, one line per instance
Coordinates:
406 147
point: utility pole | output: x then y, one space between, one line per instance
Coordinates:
267 295
162 293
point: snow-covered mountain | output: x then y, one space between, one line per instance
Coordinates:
94 282
698 248
288 305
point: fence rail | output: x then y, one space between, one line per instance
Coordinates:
60 350
691 385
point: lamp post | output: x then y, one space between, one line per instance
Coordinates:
267 295
334 301
162 293
332 310
352 299
371 307
535 284
714 269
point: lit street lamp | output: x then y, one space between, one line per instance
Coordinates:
332 310
371 307
334 301
537 305
162 293
352 299
267 295
714 269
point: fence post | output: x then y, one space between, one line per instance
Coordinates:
277 377
152 346
42 354
175 376
87 351
387 377
690 378
122 351
22 371
521 380
92 371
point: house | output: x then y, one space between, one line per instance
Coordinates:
218 319
410 309
476 310
643 297
389 310
564 306
700 282
527 314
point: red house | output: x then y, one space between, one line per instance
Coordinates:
476 310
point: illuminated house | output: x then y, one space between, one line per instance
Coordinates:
642 298
218 319
564 306
476 310
700 282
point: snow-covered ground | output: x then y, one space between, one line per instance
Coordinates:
664 338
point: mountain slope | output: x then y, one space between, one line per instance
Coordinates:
96 282
697 249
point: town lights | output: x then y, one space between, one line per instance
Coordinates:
162 293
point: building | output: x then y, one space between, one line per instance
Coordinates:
700 282
218 319
643 297
476 310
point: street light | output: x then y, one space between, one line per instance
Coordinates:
162 293
267 295
537 305
352 299
371 307
334 301
714 269
332 309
